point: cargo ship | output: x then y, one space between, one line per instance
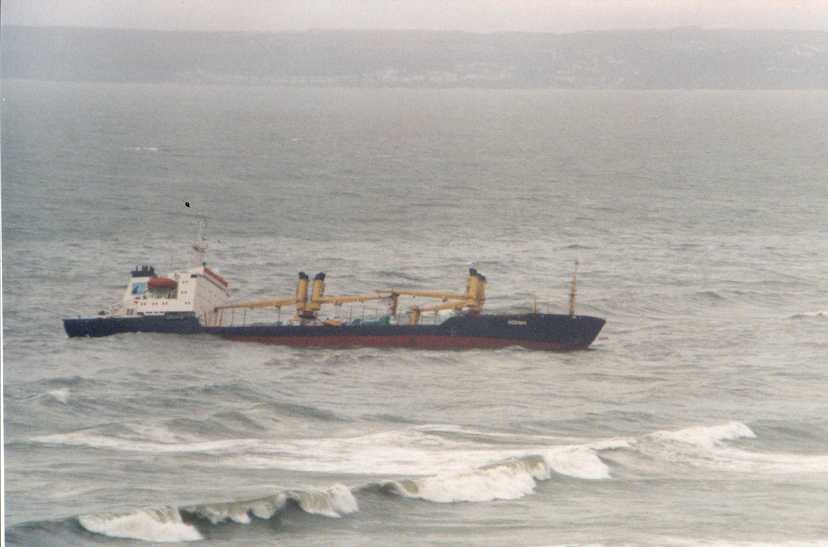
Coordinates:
196 300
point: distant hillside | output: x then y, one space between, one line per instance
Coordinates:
681 58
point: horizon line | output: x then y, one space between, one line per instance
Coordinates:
698 28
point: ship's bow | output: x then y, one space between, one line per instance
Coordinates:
563 332
584 330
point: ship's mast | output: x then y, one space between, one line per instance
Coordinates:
200 244
573 290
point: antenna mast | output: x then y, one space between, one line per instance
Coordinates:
200 244
572 291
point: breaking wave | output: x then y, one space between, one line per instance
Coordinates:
422 450
503 481
333 502
178 524
707 437
163 525
706 447
59 395
450 455
446 471
512 478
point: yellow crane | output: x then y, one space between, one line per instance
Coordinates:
305 308
299 300
473 299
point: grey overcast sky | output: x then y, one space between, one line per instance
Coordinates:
467 15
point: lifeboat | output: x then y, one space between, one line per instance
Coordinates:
162 283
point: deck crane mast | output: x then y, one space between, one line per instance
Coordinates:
306 309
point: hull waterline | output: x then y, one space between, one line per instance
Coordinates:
106 326
532 331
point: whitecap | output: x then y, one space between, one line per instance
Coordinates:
581 462
512 478
705 446
60 395
334 501
504 481
414 451
239 511
162 525
707 436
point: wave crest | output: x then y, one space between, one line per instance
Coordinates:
509 479
163 525
705 447
707 436
238 511
167 524
333 502
60 395
582 461
503 481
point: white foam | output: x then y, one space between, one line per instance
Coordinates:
410 451
823 313
704 446
505 481
581 461
483 435
707 436
60 395
266 508
510 479
162 525
398 452
334 501
414 451
240 511
96 440
732 459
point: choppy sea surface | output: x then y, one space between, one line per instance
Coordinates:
700 221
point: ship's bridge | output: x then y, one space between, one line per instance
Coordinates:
198 290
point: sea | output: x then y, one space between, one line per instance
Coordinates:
699 223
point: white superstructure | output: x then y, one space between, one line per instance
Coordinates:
197 290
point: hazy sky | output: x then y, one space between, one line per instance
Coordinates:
469 15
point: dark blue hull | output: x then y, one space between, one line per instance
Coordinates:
106 326
534 331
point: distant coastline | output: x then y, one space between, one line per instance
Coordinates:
685 58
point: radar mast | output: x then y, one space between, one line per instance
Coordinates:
200 244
